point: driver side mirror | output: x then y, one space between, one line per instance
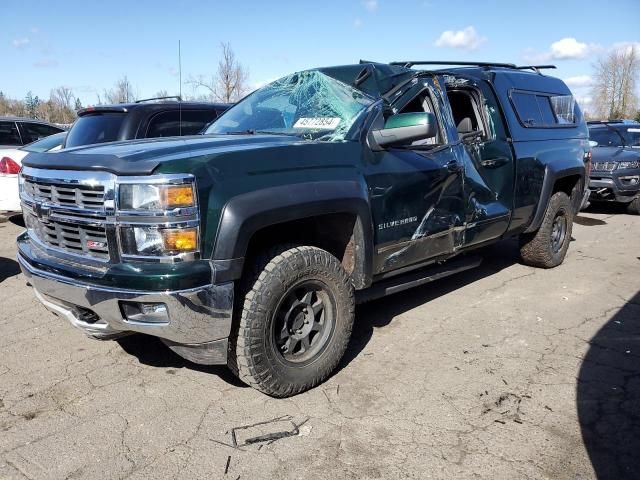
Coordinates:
404 128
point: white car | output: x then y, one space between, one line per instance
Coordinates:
11 162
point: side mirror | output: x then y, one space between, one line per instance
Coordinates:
404 128
593 143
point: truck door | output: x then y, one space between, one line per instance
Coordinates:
416 191
489 167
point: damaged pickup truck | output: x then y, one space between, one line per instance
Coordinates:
249 246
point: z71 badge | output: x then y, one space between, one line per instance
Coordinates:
397 223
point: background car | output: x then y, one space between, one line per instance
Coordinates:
143 119
16 131
615 172
11 162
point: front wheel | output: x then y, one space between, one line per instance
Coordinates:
294 323
547 247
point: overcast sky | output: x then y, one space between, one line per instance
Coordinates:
87 45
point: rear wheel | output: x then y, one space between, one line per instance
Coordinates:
547 247
634 207
294 323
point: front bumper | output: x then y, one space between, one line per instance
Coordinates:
198 320
622 186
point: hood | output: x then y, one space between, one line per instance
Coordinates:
142 157
614 154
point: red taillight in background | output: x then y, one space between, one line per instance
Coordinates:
9 166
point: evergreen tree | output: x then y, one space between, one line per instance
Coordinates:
31 104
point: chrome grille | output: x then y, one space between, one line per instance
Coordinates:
70 213
83 196
71 237
603 166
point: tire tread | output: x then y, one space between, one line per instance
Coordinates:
276 265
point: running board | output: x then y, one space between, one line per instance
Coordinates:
417 278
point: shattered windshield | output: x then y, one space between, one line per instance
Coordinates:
308 104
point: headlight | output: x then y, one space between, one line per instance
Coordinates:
158 241
633 164
156 197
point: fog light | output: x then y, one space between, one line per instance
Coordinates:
630 180
180 240
155 313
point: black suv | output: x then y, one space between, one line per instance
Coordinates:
16 131
143 119
615 174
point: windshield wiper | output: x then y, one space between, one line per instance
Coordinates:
271 132
249 131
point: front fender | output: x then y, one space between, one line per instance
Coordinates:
245 214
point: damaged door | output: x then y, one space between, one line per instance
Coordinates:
489 167
416 191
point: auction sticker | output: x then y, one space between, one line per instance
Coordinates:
325 123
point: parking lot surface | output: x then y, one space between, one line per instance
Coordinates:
505 371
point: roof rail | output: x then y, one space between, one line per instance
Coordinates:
411 63
174 97
535 68
603 122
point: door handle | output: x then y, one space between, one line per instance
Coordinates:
453 166
494 162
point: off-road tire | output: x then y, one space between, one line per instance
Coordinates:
633 207
536 248
253 354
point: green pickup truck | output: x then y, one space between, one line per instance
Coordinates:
251 244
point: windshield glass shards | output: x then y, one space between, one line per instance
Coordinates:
308 104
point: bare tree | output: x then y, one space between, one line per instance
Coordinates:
615 81
64 96
60 105
229 83
122 92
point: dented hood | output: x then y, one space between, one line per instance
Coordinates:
142 157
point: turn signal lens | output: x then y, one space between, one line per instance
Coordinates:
154 197
180 240
174 196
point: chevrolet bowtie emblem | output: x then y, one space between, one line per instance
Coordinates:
42 212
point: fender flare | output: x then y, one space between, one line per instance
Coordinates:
550 179
246 214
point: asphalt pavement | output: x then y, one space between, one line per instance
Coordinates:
501 372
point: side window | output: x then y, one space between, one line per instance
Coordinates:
527 109
564 106
36 131
543 110
167 124
544 104
423 103
493 114
9 134
468 109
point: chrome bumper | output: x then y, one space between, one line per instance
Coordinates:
196 317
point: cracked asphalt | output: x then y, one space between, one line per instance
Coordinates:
501 372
